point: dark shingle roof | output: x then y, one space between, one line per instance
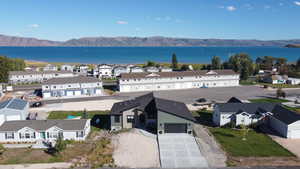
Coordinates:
75 79
251 108
234 100
17 104
178 74
285 115
149 102
43 124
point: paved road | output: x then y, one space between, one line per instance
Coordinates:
191 95
217 94
180 151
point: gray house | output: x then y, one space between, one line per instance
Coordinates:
153 114
13 109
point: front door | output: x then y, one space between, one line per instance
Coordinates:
43 135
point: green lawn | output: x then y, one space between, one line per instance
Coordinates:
64 114
268 100
280 85
256 144
203 117
247 82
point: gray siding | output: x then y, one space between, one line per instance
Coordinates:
168 118
115 125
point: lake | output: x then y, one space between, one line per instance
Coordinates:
124 55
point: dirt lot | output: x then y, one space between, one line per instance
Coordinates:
73 106
134 150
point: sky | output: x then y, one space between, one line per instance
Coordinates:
225 19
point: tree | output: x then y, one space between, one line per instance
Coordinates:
85 114
185 67
241 63
174 61
216 62
150 64
60 145
8 64
280 93
298 65
2 149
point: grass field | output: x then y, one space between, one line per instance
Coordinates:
255 145
268 100
65 114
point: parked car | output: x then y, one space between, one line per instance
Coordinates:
36 104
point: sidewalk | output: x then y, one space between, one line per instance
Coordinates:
37 166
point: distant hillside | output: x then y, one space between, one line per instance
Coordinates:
141 41
293 46
20 41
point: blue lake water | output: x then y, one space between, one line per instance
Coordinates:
141 54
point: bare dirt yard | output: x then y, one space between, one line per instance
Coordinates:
135 150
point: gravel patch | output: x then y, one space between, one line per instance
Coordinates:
135 150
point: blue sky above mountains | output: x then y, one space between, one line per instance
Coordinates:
226 19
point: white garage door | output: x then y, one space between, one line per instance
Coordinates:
98 91
2 119
46 95
70 93
13 117
295 134
77 93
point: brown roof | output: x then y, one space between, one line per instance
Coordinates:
177 74
75 79
36 72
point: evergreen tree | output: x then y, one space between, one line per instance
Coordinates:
174 61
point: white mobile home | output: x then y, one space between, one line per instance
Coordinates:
33 131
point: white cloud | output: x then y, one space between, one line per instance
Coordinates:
122 22
297 3
231 8
34 26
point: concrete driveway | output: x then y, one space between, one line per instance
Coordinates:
293 145
180 151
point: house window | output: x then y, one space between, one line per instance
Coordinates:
117 119
9 136
54 134
54 87
130 118
27 135
79 134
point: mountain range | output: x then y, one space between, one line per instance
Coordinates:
141 41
